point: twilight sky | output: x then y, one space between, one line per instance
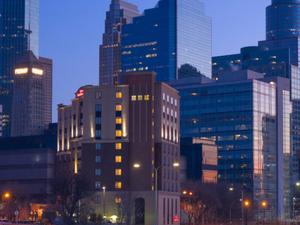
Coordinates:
71 34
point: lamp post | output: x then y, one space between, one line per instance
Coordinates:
103 202
156 170
246 205
264 205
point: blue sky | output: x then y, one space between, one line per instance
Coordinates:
71 33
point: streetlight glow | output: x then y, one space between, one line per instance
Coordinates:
298 184
6 195
136 165
264 204
246 203
176 164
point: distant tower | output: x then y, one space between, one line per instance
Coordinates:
283 19
172 35
19 18
32 99
120 13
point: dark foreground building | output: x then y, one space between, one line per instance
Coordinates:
27 166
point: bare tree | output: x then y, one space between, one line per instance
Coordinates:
70 192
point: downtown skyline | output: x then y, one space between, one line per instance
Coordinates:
227 38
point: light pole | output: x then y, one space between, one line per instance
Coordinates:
156 170
264 205
246 205
103 202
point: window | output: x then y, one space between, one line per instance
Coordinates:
118 172
98 146
118 185
98 108
118 146
147 97
118 120
97 184
98 172
140 97
119 94
119 133
98 159
133 98
119 107
118 159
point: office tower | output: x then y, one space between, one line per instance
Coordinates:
119 14
167 37
248 116
19 20
283 27
113 134
32 100
1 122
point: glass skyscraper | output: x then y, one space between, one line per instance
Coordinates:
166 37
248 116
119 14
19 32
279 28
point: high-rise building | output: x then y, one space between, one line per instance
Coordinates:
113 134
166 37
19 32
248 116
119 14
283 27
32 98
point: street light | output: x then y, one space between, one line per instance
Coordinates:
104 206
156 169
136 165
6 196
246 205
264 205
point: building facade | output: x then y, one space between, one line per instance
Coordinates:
1 122
114 134
248 116
200 157
166 37
119 14
32 99
19 32
27 167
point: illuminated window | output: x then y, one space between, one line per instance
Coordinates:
118 120
119 133
133 98
118 172
37 71
118 159
119 94
118 146
140 97
147 97
118 185
21 71
119 107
